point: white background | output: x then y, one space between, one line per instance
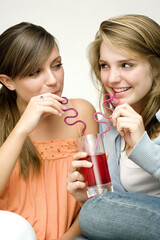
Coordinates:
74 23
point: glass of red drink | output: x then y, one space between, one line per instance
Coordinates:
97 178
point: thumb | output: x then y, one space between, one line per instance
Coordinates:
107 154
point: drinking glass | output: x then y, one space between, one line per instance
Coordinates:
97 178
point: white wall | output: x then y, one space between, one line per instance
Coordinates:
74 23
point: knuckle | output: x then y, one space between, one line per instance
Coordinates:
68 188
67 181
74 156
76 174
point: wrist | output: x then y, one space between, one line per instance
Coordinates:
20 132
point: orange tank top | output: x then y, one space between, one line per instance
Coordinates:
43 199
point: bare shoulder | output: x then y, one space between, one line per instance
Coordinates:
83 105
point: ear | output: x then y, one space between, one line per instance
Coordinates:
7 81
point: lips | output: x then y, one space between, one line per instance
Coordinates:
56 93
119 90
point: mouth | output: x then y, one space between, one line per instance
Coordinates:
119 90
56 93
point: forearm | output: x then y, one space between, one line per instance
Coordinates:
9 153
73 231
146 154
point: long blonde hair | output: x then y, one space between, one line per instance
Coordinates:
23 48
138 34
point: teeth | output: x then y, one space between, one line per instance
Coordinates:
121 89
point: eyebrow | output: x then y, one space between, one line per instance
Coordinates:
57 58
120 61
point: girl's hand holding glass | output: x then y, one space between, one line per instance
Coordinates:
75 181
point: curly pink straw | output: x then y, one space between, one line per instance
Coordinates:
76 114
111 100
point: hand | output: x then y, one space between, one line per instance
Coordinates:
128 123
75 180
38 108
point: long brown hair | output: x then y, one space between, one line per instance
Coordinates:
23 48
141 36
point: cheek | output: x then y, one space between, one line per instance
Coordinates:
103 76
29 89
61 75
148 81
148 86
61 78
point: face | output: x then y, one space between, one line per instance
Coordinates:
129 78
47 78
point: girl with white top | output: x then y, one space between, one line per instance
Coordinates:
125 60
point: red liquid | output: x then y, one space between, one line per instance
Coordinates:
98 173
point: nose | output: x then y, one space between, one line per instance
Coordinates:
114 75
51 78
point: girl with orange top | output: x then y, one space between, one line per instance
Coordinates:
36 145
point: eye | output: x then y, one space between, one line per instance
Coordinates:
103 66
57 66
34 73
127 65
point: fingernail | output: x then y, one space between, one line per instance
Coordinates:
89 164
84 154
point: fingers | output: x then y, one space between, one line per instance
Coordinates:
78 191
51 103
75 181
79 162
133 124
128 123
75 178
123 110
75 174
38 108
124 115
53 96
75 186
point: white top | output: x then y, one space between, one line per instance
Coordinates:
134 178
